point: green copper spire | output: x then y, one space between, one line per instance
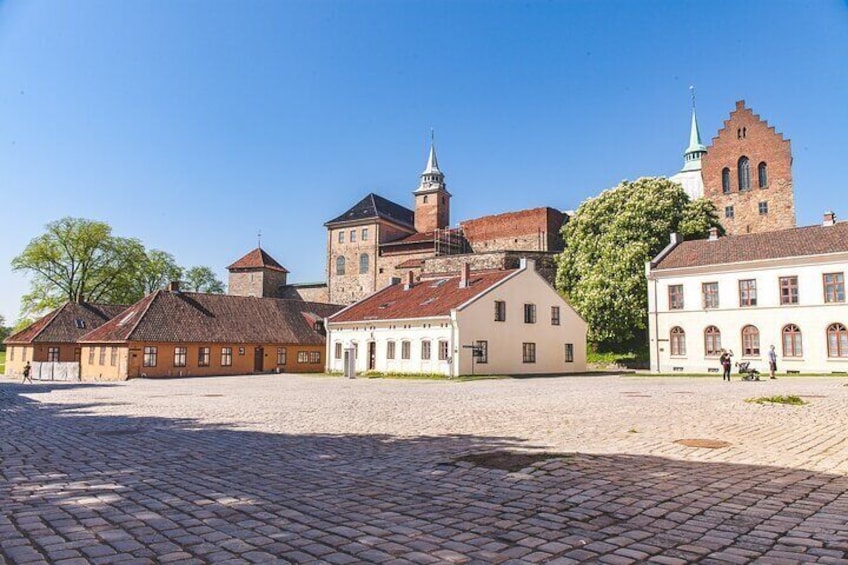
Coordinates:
696 149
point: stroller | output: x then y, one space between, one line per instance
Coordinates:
748 373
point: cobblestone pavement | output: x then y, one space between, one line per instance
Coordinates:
318 469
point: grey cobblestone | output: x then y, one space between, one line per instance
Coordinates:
295 469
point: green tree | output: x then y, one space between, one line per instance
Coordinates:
607 242
77 260
203 279
4 332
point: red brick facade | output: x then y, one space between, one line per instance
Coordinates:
752 206
527 230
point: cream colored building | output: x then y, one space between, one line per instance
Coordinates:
746 293
503 322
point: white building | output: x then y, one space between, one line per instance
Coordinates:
747 292
513 320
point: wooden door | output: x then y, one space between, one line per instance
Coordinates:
258 359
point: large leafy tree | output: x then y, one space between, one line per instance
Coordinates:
203 279
607 242
4 332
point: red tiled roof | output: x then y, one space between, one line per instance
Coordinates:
194 317
257 259
410 264
420 237
795 242
67 323
434 297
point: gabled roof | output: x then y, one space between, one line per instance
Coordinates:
67 323
427 298
195 317
257 259
795 242
415 238
374 206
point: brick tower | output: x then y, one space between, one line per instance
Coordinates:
432 200
257 274
747 173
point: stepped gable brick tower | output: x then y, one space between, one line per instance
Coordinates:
747 173
690 177
432 200
257 274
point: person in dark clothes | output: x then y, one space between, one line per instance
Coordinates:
772 357
725 364
27 371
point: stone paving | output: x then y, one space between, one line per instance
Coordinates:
294 469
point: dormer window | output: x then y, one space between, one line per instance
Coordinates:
80 324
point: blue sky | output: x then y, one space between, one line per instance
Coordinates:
191 125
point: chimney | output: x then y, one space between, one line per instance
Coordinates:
829 218
174 286
410 280
713 234
465 275
675 238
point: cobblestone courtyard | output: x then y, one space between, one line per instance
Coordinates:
318 469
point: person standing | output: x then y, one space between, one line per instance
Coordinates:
27 371
725 364
772 357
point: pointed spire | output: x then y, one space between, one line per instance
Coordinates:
696 148
432 162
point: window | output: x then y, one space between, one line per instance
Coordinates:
712 342
390 350
554 315
204 355
789 290
500 311
443 350
834 287
425 199
314 357
750 341
725 180
748 292
728 212
792 341
744 173
837 341
341 237
364 234
282 356
151 353
569 353
678 342
405 350
226 356
482 352
113 357
337 350
241 350
179 357
363 263
762 175
80 323
53 355
675 297
710 293
90 355
763 208
102 360
303 357
529 352
340 265
425 350
12 353
529 313
352 236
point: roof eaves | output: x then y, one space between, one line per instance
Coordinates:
486 291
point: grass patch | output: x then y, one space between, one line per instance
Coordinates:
2 362
631 359
791 400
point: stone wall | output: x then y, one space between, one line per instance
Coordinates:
527 230
745 134
308 293
494 260
262 283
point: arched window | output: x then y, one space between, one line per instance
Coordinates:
712 341
363 263
750 341
340 265
792 341
425 199
762 174
837 341
678 341
744 170
725 180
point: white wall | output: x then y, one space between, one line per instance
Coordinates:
811 314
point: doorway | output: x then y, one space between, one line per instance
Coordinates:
372 355
258 358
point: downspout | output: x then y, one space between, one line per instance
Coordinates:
454 345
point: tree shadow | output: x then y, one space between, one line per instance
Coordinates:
104 488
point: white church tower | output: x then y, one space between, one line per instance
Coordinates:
689 176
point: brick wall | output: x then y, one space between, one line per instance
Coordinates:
527 230
262 283
432 214
745 134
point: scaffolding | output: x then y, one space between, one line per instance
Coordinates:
450 241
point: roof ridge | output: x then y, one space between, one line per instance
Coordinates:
141 315
53 315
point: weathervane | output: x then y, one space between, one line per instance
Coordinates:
692 90
259 238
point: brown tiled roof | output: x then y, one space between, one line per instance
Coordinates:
67 323
419 237
194 317
795 242
410 264
257 259
434 297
